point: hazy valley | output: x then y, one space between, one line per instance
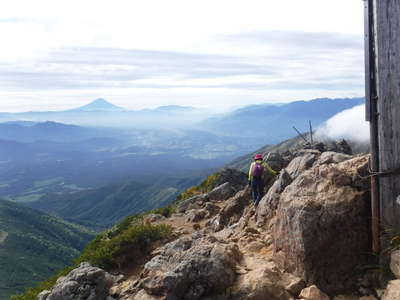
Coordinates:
104 163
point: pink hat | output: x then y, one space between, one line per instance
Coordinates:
258 156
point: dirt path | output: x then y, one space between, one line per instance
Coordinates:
3 236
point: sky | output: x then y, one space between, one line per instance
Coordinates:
218 54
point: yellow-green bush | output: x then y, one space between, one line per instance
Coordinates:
204 187
104 252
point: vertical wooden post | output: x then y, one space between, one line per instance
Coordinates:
372 116
387 49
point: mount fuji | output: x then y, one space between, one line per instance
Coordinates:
99 105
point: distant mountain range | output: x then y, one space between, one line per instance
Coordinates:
253 120
34 245
274 123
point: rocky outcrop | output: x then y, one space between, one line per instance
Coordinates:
235 177
191 268
227 184
304 160
305 239
83 283
232 210
269 203
321 231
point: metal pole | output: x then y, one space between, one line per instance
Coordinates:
311 133
299 133
372 117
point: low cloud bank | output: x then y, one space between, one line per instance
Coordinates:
349 124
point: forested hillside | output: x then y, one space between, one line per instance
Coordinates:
34 245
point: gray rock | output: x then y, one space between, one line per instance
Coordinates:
304 160
191 269
232 211
192 203
83 283
235 177
276 161
322 220
195 215
330 157
212 209
269 203
222 192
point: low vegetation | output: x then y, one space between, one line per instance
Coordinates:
204 187
131 235
105 251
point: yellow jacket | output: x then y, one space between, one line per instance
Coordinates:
264 164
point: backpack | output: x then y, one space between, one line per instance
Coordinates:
258 170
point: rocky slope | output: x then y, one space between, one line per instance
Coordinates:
307 240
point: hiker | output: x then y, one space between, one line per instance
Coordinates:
256 171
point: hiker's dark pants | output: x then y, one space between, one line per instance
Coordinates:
257 189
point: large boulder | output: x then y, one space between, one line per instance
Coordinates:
235 177
222 192
191 268
303 161
269 203
194 202
276 161
321 231
232 210
83 283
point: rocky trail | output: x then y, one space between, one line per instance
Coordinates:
306 240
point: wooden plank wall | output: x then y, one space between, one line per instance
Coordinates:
387 39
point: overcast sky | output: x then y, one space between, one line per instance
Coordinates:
60 54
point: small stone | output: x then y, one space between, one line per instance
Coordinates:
313 293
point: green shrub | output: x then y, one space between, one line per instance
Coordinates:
204 187
166 211
104 252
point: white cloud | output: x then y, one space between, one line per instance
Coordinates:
23 40
348 124
37 33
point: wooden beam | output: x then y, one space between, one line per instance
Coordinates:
387 43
